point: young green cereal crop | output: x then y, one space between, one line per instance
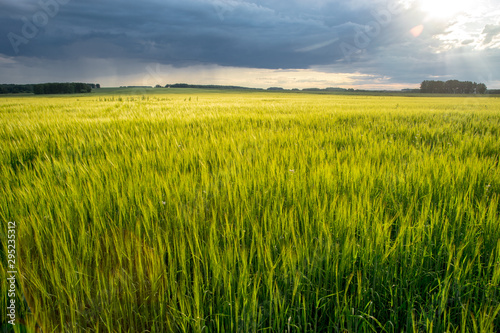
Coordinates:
247 212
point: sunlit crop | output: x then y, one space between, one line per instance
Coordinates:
249 212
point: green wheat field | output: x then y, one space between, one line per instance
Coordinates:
199 211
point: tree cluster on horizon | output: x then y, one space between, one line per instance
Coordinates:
16 88
63 88
452 87
48 88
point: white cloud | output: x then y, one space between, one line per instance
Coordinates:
7 61
491 34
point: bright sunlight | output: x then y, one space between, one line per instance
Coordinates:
446 8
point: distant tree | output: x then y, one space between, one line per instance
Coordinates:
481 88
61 88
82 88
424 87
39 89
158 86
439 87
468 88
451 86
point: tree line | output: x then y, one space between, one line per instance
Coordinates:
452 87
48 88
16 88
63 88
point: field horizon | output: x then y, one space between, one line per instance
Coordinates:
135 91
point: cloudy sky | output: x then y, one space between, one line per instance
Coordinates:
390 44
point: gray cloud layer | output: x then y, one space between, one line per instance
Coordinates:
364 36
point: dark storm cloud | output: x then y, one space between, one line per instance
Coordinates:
233 33
365 36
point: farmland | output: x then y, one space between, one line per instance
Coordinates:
248 212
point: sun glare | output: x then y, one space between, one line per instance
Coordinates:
445 8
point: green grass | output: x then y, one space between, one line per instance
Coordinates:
252 212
